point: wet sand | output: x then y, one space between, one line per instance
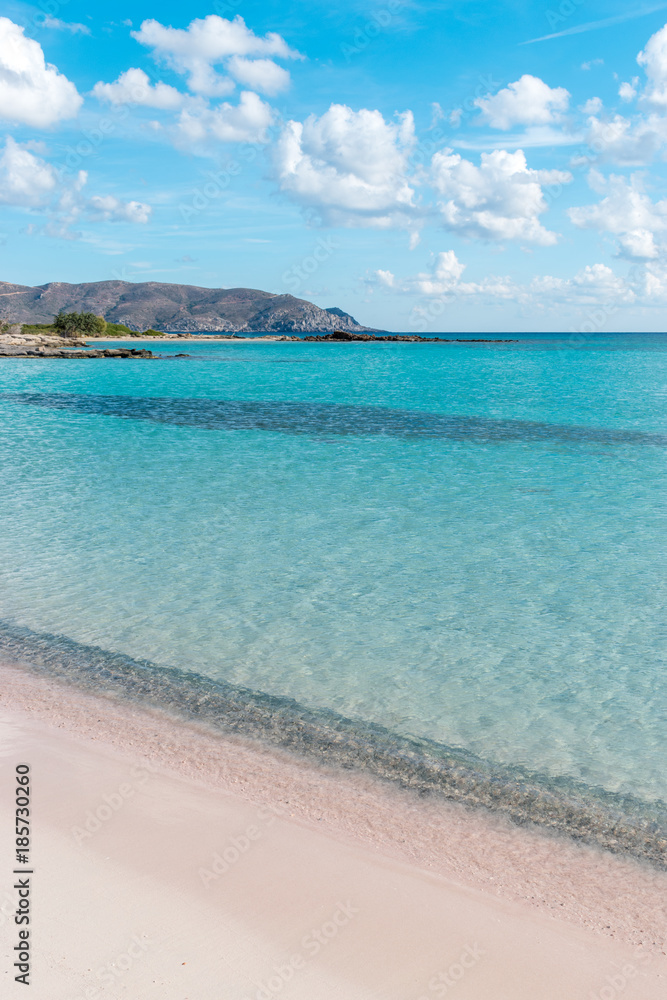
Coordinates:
177 863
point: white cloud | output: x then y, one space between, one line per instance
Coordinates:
501 199
350 166
528 101
134 87
386 278
444 281
654 60
58 25
245 122
626 211
625 141
112 209
447 271
31 91
592 64
628 91
260 74
593 106
592 285
208 42
25 179
28 181
638 244
651 282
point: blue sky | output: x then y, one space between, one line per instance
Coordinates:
427 166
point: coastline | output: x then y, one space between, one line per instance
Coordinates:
220 859
278 339
619 823
597 890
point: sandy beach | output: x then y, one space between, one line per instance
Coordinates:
230 870
274 339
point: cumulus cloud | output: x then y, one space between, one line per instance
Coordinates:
28 181
245 122
32 91
350 166
261 74
654 60
626 211
58 25
501 199
592 285
386 278
444 280
528 101
208 42
593 106
446 273
112 209
25 179
625 141
628 91
134 87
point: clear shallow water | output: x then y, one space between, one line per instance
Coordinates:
460 542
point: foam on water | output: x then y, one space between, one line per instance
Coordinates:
462 545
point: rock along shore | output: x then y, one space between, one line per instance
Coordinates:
26 352
343 335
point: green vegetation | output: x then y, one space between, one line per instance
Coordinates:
86 325
37 327
79 324
116 330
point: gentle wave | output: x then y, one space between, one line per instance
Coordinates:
619 823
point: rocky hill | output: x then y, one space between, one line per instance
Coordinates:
181 308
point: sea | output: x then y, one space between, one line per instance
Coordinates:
443 563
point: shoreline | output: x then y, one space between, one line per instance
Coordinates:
229 869
545 875
618 823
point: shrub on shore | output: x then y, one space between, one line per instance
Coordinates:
75 324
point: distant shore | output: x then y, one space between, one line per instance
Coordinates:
195 338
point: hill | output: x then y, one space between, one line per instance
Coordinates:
168 308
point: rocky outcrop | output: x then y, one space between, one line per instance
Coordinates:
46 352
346 335
15 338
181 308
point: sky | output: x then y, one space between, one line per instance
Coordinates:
426 165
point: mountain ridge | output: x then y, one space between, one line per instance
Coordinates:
174 308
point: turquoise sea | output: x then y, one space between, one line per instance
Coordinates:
463 544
